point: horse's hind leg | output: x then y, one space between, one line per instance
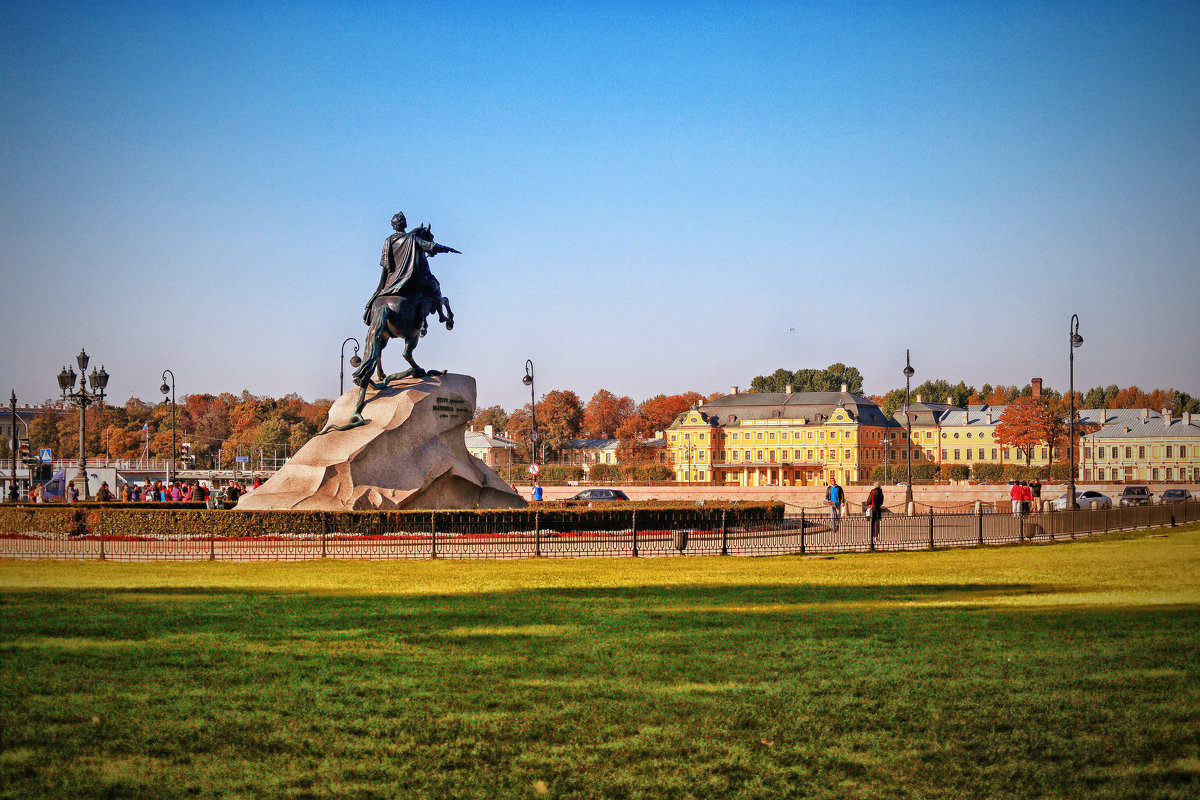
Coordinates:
448 317
409 343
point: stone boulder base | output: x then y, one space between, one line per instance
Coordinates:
410 454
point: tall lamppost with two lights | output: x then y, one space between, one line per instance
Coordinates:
908 373
1076 341
165 389
82 398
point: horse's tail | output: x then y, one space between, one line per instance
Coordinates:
375 331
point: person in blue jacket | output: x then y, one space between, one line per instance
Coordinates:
835 498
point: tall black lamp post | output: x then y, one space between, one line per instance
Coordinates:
1076 341
82 398
171 390
908 373
354 362
533 436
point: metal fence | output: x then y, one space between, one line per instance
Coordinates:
806 532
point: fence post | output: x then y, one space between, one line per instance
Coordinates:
979 521
1021 526
871 525
537 534
725 536
802 531
324 533
931 527
99 521
634 525
432 535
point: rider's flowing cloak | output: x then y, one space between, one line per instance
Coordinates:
406 267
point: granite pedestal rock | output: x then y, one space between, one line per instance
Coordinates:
409 454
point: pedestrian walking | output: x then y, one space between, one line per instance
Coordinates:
835 498
875 509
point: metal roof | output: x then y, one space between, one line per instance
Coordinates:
733 409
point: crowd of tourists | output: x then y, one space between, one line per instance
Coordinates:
160 492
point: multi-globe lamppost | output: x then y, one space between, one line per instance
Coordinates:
171 389
354 362
533 436
82 398
13 494
908 373
1076 341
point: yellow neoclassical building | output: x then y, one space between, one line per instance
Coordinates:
1142 445
780 439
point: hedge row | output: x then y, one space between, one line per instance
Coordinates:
132 521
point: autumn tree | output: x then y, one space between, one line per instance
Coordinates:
660 411
1028 422
492 415
518 429
604 414
559 417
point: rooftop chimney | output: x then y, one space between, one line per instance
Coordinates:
1037 387
1145 415
918 399
788 389
733 389
1187 418
988 416
1167 414
488 431
845 388
949 401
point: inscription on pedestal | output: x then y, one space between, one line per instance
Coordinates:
452 408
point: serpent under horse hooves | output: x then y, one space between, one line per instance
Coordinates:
392 317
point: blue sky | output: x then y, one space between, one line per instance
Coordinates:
650 198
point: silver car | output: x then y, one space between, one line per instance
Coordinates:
1082 500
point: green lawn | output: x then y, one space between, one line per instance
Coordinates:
1066 670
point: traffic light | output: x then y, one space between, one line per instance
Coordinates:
24 449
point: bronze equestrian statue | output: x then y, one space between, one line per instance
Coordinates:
407 294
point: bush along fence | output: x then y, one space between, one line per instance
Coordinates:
611 530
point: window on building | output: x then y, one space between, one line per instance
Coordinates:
759 436
809 435
702 437
1045 452
1154 474
1183 451
968 434
1087 452
848 455
945 457
1169 473
735 455
700 475
1142 452
810 455
796 455
1113 454
759 454
771 436
1129 452
1169 448
771 456
702 454
746 455
1100 474
917 454
994 451
783 436
957 455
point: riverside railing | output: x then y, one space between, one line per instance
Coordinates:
99 534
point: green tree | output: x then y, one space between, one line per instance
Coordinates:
492 415
560 417
829 379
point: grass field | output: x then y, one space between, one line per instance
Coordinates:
1058 671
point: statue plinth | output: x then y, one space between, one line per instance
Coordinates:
410 453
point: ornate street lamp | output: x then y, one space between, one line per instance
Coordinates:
908 373
533 436
1076 341
82 398
171 389
354 362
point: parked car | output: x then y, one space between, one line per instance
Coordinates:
600 495
1082 500
1136 496
1175 496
